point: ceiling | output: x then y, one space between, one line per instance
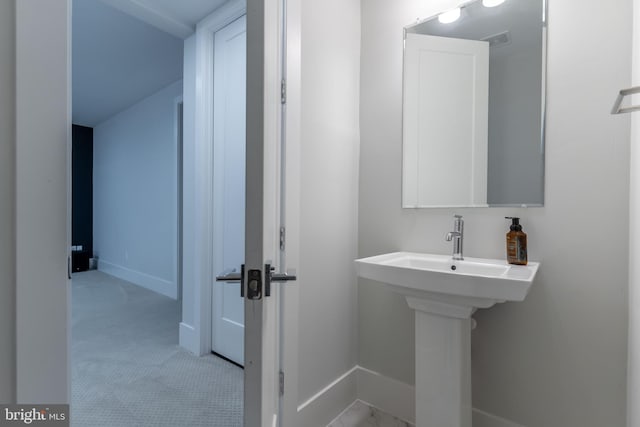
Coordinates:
126 50
178 18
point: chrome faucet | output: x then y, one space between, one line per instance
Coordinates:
457 236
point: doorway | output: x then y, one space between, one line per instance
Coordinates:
44 289
127 367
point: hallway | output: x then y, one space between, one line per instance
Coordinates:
127 367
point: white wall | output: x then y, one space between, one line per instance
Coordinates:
135 192
7 195
558 358
329 197
43 147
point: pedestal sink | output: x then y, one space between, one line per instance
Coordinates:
444 294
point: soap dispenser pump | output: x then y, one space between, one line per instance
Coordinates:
516 243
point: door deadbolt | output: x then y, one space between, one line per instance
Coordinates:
254 286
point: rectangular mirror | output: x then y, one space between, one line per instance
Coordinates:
474 105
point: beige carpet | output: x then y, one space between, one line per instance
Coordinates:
127 368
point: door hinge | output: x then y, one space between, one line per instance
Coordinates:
283 91
281 383
282 238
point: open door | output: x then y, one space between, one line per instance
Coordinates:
263 211
262 267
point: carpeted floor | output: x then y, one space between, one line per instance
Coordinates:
128 370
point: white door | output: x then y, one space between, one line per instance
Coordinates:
446 90
229 134
262 201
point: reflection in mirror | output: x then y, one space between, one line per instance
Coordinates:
473 107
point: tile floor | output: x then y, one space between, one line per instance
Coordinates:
362 415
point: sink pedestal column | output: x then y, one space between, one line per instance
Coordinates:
443 363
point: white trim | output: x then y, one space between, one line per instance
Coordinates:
323 407
290 295
188 337
327 389
391 396
394 397
398 399
69 26
271 197
220 18
201 213
153 283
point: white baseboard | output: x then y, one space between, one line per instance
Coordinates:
188 338
398 399
145 280
374 389
324 406
392 396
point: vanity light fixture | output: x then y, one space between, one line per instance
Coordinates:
449 16
492 3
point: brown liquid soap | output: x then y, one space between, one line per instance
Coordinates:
516 243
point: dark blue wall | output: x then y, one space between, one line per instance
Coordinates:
82 188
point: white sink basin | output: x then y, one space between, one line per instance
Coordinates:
423 275
444 294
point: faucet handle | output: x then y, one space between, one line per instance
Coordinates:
457 216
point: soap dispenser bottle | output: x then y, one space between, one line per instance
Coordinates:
516 243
